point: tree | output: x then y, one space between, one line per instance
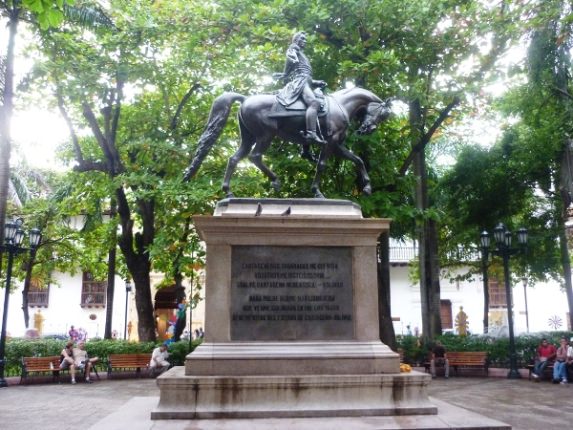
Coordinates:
546 112
47 13
414 52
138 148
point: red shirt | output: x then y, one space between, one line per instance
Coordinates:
546 351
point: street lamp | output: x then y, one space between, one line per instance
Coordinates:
502 237
524 280
13 238
127 291
484 240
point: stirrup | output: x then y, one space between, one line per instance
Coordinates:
311 136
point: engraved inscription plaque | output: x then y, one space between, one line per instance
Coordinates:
291 293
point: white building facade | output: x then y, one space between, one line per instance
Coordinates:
547 308
73 300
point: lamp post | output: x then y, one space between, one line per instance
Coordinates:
13 238
484 239
502 238
524 280
127 291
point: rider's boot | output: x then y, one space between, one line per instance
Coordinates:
311 120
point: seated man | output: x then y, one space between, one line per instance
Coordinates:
83 362
67 360
545 355
159 363
440 358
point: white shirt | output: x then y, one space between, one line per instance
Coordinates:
159 358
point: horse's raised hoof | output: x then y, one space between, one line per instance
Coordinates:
367 190
276 184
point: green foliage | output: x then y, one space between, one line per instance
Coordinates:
49 13
18 348
416 352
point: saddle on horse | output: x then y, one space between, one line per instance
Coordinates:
298 108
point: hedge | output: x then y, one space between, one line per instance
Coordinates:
17 348
416 351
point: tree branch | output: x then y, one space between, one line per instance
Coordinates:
181 105
114 165
420 146
68 120
90 165
562 92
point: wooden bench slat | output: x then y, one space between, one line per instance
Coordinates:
49 364
128 361
465 359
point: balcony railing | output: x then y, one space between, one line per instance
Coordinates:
39 298
405 254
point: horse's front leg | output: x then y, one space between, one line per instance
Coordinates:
325 154
241 153
343 152
256 158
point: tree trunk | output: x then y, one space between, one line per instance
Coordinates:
419 168
433 270
6 110
134 247
385 325
427 234
26 288
146 327
111 258
564 248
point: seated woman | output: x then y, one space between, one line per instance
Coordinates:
82 361
560 366
67 360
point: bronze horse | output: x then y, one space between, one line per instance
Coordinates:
259 124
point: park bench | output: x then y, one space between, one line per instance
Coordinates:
40 365
45 365
465 360
136 361
547 373
468 360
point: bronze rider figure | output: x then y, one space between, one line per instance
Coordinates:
299 83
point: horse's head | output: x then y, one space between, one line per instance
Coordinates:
376 112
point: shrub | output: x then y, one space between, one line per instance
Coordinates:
416 352
17 348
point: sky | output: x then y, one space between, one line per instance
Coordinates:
36 133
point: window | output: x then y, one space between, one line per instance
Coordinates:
38 296
93 292
496 294
446 314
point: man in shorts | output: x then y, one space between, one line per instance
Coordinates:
82 361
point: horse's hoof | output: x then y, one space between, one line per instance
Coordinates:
318 195
276 184
229 195
367 190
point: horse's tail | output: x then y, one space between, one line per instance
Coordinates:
217 119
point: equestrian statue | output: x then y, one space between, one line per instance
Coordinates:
300 114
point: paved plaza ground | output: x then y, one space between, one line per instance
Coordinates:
46 406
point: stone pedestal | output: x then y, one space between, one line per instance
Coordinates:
291 319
